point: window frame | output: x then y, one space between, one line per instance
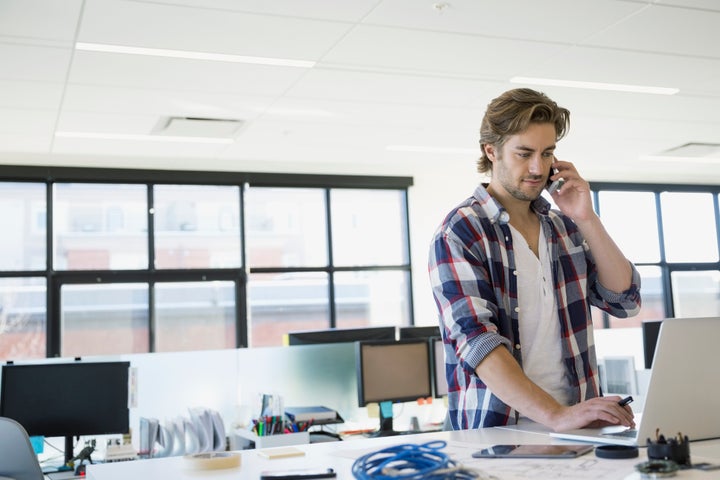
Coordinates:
666 268
55 280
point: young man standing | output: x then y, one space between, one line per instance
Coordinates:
514 280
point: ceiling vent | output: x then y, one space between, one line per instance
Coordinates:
198 127
694 150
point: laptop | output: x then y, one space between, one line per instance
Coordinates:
683 394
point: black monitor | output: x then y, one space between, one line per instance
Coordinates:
388 372
427 332
340 335
67 399
440 386
650 333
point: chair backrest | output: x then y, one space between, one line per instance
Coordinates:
17 457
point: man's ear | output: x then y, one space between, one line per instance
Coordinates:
489 149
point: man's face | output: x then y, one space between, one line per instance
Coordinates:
522 165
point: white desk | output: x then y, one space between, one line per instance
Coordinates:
461 445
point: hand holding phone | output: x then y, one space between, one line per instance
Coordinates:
554 186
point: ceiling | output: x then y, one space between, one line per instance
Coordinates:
395 84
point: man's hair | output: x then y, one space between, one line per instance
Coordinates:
511 113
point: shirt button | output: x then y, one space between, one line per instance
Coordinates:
517 346
515 273
517 309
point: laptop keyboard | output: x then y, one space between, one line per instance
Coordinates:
629 433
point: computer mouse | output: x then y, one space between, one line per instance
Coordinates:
80 470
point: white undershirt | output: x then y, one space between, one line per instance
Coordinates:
540 337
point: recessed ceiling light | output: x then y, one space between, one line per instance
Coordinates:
216 57
426 149
617 87
142 138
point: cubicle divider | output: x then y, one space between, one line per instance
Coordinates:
233 381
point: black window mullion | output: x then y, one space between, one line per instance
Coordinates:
331 262
668 303
241 306
406 205
152 324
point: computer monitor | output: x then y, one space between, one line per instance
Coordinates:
388 372
440 386
650 333
67 399
340 335
426 332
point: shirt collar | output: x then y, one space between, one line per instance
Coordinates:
496 212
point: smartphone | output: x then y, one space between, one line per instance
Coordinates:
551 186
299 474
534 451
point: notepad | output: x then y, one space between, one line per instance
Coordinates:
280 452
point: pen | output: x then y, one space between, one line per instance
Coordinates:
625 401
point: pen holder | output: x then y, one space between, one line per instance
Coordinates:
277 440
677 450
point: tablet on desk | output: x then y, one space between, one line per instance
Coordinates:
534 451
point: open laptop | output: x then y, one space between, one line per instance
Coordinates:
683 394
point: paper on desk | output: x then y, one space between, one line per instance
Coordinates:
587 467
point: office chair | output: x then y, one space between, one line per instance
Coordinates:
17 457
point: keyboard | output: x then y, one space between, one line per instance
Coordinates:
629 433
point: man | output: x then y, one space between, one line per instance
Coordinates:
513 281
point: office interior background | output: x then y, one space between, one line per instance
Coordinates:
203 175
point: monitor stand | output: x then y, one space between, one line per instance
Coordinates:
386 421
69 449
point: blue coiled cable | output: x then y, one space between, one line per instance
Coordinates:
411 462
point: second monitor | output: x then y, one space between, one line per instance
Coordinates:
389 372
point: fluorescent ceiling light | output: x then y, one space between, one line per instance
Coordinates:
142 138
217 57
617 87
425 149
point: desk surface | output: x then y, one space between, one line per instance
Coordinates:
461 445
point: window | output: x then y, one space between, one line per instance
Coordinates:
670 232
326 257
130 261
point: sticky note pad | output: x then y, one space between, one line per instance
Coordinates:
38 444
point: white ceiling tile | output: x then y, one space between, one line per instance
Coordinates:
106 123
143 149
153 25
432 53
330 84
563 21
135 71
27 121
91 98
28 20
662 32
23 143
30 94
344 10
691 75
28 62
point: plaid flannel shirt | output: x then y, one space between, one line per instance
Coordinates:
472 274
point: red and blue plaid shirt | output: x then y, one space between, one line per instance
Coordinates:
473 277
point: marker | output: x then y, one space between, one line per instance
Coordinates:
625 401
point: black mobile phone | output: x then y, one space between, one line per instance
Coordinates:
298 474
551 186
534 451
